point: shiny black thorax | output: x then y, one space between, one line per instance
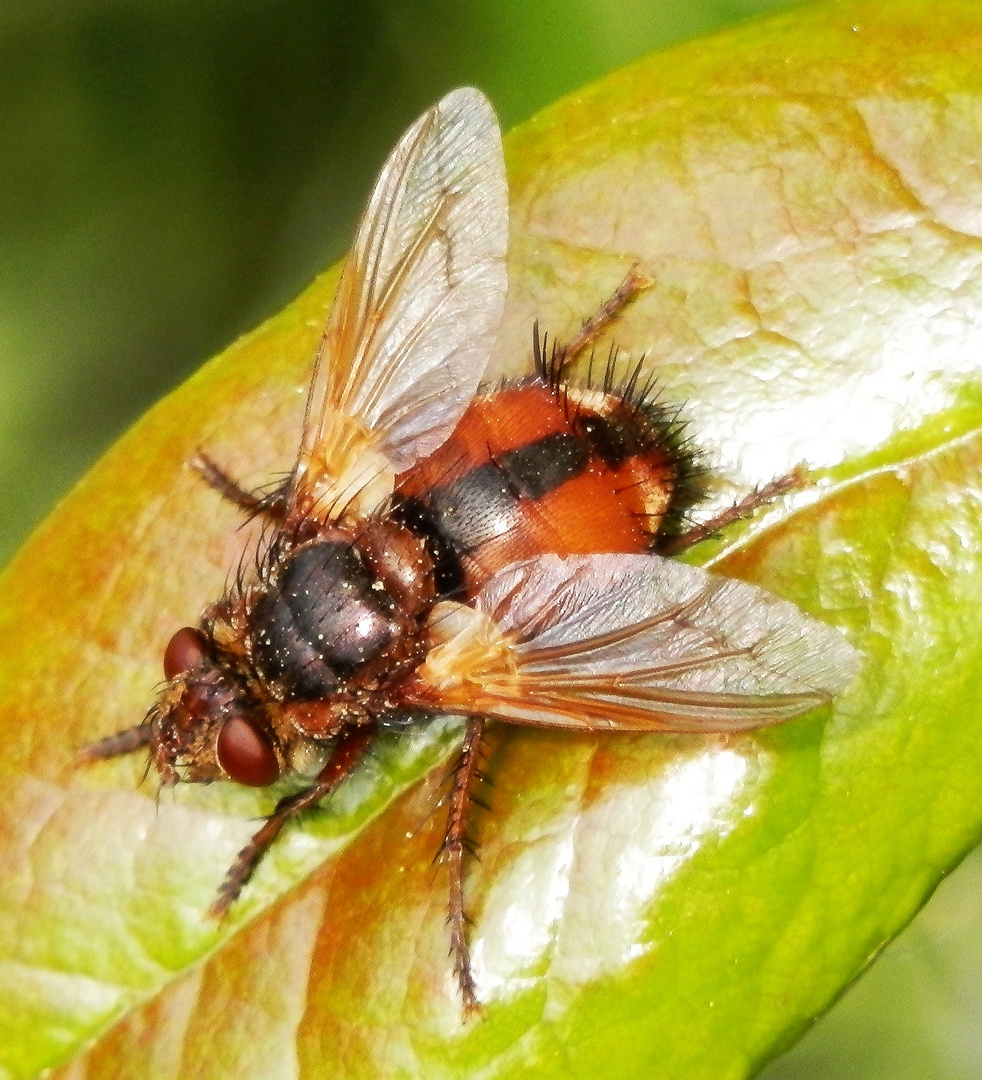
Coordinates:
320 621
340 614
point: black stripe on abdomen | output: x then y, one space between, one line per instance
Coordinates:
484 503
535 469
457 518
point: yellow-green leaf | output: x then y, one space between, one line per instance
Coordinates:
806 193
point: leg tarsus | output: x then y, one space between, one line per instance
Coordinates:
216 477
123 742
635 283
455 847
346 754
792 481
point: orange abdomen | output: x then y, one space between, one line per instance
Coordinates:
531 469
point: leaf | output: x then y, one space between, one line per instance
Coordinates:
805 190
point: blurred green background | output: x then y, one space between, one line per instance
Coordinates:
173 172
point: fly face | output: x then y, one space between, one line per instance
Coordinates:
205 724
432 551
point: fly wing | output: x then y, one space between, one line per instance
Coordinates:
419 300
642 643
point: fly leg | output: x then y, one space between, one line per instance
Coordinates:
791 481
455 847
272 505
629 289
123 742
347 753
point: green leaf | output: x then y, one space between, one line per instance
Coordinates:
806 194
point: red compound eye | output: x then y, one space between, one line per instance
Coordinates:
185 650
246 754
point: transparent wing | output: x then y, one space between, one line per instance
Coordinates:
420 297
641 643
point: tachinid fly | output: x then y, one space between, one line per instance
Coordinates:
500 555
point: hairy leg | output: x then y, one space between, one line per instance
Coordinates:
216 477
123 742
347 753
791 481
629 289
455 846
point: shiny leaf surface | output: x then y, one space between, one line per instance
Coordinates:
805 192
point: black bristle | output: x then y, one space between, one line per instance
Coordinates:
660 424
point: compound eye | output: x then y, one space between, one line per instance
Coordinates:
246 755
187 649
